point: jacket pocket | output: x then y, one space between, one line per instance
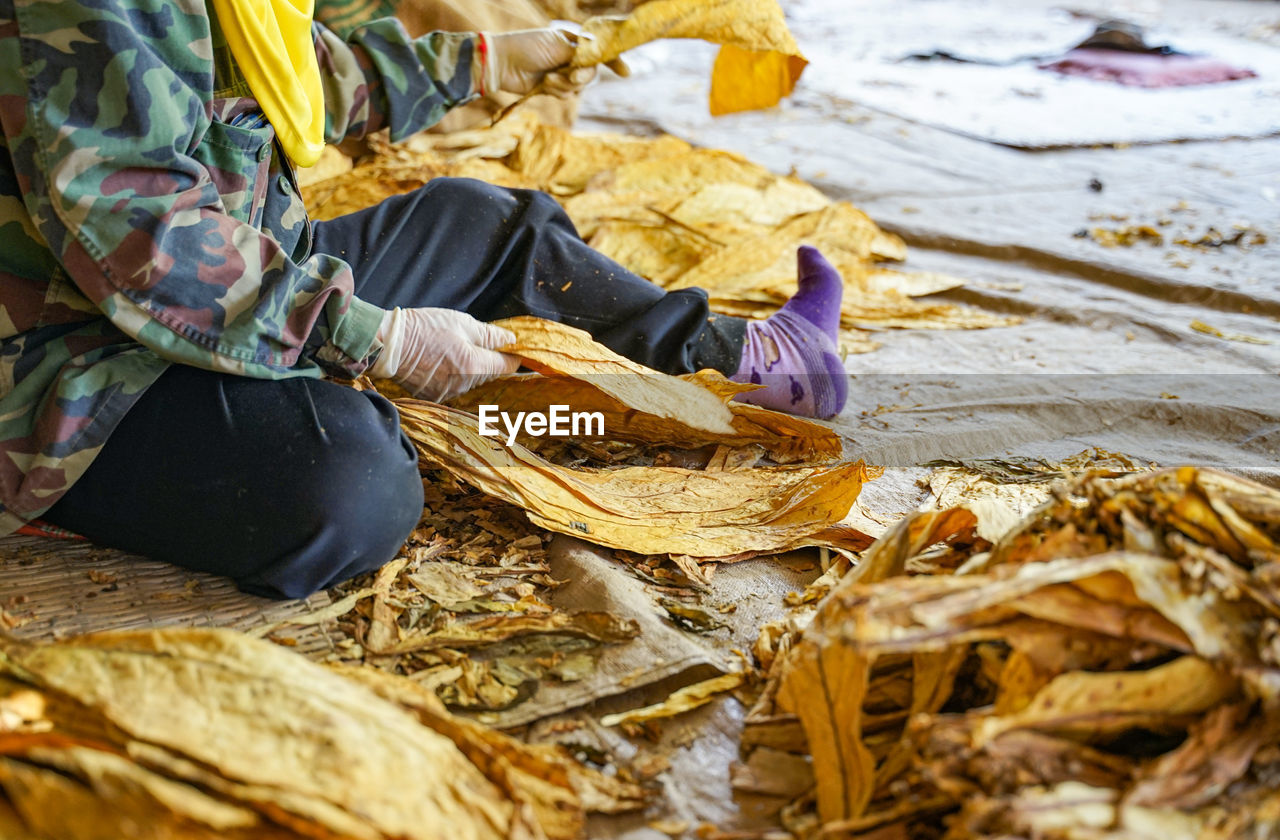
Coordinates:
237 159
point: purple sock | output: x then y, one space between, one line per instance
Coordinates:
793 353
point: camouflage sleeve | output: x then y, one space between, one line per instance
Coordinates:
381 78
122 153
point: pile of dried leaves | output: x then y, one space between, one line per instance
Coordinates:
464 609
677 215
1107 668
210 734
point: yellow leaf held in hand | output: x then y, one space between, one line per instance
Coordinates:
549 347
749 80
759 62
750 24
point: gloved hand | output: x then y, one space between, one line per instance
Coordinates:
437 354
517 61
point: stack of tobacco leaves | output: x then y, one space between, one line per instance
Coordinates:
1108 668
677 215
684 479
210 734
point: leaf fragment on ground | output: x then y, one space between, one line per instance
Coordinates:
683 700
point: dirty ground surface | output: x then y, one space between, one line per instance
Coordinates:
1167 352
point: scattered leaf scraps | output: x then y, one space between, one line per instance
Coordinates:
1206 329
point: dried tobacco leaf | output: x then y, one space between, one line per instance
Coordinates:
551 791
653 510
1067 660
683 700
750 80
600 627
303 747
785 438
550 347
564 162
699 187
49 804
749 24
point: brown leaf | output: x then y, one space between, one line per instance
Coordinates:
601 627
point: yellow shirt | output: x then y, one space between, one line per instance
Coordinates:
272 44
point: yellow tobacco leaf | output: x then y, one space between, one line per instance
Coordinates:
563 162
48 803
750 80
683 700
825 686
550 347
293 740
555 789
749 24
653 248
785 438
126 785
712 185
651 510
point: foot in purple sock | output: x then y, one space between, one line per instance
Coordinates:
793 353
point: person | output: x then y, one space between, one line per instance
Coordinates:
170 314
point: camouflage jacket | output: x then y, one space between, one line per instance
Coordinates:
147 217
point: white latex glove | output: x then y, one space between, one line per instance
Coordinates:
437 354
517 61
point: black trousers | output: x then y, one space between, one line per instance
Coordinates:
291 486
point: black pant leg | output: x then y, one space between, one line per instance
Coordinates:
286 486
494 252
